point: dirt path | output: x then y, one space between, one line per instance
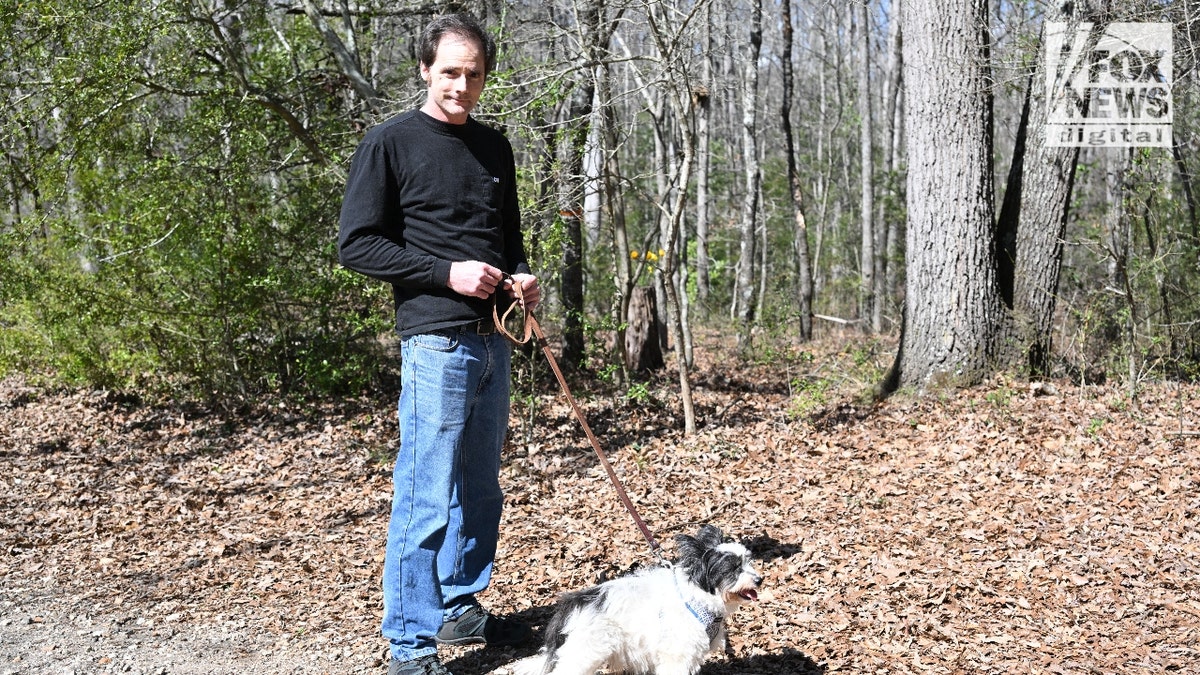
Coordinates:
41 634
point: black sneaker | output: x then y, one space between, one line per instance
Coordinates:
426 665
476 626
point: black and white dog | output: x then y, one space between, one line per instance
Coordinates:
663 620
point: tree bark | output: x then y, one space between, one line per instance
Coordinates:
804 286
867 262
953 312
748 234
702 95
642 350
890 204
1033 220
572 142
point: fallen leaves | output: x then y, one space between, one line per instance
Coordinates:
1054 529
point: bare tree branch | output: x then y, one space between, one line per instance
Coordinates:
346 59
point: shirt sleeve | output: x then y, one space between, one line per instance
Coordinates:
370 231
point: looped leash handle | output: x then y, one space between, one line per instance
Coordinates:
533 329
502 320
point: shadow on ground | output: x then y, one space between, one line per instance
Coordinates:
477 661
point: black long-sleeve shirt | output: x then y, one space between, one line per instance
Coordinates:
422 194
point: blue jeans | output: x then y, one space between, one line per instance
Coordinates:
446 501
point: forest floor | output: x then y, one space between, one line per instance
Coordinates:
1003 528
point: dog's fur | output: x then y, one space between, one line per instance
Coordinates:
663 620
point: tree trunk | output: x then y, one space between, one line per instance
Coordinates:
702 96
642 351
673 203
1119 233
744 295
615 204
572 142
1033 221
867 263
953 313
571 286
664 161
890 205
804 293
1185 180
764 261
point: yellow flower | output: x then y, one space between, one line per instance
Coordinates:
651 256
633 255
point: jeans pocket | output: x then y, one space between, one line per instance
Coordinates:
437 341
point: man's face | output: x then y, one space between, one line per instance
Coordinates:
455 79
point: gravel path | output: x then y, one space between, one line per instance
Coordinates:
43 634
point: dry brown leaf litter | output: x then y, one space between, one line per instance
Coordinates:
993 531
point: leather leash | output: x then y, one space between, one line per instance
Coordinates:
534 329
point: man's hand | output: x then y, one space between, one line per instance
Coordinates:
475 279
531 292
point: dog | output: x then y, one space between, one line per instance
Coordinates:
663 620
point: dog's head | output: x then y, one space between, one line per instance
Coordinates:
717 566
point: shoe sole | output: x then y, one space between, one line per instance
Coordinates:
477 640
458 642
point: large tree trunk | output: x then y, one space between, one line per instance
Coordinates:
1033 221
953 312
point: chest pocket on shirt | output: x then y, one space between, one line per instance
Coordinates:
482 191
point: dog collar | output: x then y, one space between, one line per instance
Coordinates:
708 619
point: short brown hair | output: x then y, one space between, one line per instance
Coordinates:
463 25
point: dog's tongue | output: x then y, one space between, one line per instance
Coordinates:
750 594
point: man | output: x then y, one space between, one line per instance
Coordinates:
431 208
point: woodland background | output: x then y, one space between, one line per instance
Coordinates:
173 172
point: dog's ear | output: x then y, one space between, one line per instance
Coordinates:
691 550
688 548
692 556
710 536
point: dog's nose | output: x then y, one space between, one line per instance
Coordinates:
758 579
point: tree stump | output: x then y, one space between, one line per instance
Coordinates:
642 349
